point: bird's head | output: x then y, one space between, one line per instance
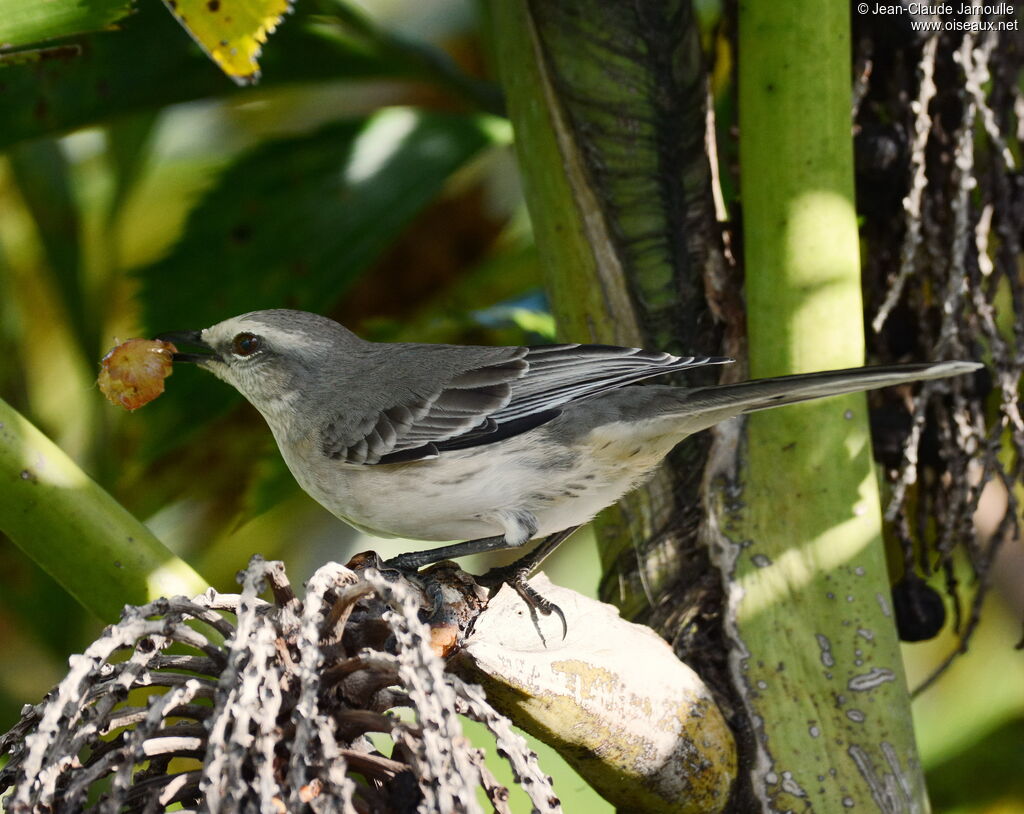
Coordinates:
271 357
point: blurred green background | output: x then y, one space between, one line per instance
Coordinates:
370 177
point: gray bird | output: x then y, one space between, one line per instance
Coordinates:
494 446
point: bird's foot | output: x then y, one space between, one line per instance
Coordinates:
516 577
406 567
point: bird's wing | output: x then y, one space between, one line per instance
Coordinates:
560 374
496 400
426 414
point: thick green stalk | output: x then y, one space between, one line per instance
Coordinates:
607 100
582 268
819 662
76 531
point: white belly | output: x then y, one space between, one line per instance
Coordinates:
522 487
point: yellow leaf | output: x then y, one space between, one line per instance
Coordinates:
231 32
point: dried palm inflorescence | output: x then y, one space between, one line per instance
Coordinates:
232 703
940 120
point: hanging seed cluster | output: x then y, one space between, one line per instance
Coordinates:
939 124
233 703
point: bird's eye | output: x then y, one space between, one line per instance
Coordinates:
246 344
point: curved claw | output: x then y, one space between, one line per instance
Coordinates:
532 597
516 579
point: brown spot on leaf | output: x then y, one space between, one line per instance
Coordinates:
64 53
242 233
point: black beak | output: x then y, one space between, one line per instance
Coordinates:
189 339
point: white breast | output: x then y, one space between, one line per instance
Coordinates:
482 491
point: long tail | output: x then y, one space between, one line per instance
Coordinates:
709 405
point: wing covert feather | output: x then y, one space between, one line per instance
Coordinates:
485 403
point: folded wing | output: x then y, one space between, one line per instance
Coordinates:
496 400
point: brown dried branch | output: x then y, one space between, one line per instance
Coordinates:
912 201
267 709
958 292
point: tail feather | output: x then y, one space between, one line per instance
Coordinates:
709 405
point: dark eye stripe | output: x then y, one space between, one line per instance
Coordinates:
246 344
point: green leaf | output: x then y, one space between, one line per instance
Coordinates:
983 774
42 173
128 142
231 34
150 64
417 58
26 23
293 223
271 483
38 605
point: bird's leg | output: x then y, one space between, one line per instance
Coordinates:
531 561
516 574
413 560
